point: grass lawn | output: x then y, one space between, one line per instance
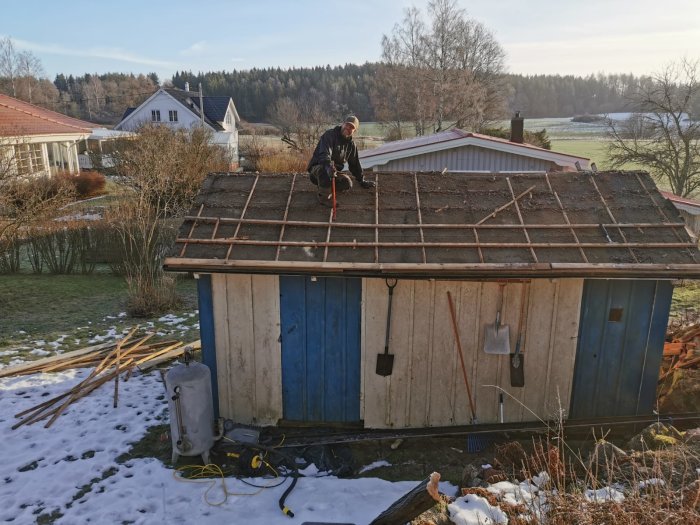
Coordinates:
42 313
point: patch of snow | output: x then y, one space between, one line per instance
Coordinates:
171 319
80 217
44 469
9 352
309 251
541 479
475 510
22 332
376 464
40 342
650 483
39 351
604 494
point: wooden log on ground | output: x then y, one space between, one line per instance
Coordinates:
414 503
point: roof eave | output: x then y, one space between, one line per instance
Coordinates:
437 270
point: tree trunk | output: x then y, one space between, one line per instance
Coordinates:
421 498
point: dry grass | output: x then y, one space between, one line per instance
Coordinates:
659 486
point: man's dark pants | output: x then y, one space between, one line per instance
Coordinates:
318 176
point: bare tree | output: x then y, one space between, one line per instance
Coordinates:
453 67
301 121
663 133
21 70
30 70
161 172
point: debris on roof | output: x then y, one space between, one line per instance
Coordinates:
439 225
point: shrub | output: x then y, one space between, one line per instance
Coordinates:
10 255
86 183
284 162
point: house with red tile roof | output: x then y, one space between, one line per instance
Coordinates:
38 141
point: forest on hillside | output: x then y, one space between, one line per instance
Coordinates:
343 89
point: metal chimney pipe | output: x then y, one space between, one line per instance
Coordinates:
517 129
201 104
187 86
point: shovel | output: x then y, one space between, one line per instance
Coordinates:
517 359
385 361
497 336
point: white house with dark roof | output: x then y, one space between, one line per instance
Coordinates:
460 151
179 108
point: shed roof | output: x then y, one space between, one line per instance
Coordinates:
606 224
454 138
19 118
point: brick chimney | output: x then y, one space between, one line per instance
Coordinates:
517 128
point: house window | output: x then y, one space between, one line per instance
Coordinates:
155 115
28 159
172 115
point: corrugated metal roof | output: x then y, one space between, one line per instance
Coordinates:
613 224
19 118
456 138
681 200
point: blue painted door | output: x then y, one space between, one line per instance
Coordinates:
621 338
320 325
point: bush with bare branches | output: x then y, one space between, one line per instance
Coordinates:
161 171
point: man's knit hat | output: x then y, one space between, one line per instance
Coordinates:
352 119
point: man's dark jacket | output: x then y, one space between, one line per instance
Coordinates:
334 148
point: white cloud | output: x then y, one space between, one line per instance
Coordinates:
195 49
109 53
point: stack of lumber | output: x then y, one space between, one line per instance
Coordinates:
148 356
683 347
110 361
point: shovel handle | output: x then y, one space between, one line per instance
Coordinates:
461 357
334 201
391 284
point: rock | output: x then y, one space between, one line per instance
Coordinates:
470 476
654 437
682 394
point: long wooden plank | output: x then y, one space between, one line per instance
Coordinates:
400 346
565 344
40 363
267 351
240 357
421 345
468 319
376 388
219 283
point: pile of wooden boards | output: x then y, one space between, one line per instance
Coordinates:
110 361
683 347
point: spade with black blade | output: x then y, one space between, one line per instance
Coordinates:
517 359
385 361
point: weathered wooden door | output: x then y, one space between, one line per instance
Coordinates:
320 325
621 337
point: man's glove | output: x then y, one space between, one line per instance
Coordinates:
330 171
367 183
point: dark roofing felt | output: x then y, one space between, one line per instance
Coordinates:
612 224
127 112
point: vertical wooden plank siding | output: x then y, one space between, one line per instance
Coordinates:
427 387
246 328
206 333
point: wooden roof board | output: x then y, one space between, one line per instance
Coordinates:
431 224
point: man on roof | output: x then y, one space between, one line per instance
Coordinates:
334 149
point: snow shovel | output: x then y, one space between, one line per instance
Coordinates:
517 359
496 335
385 361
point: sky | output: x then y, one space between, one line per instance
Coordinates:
539 36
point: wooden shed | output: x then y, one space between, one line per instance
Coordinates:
293 305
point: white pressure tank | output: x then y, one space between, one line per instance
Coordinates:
191 409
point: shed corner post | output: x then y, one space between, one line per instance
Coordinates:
206 333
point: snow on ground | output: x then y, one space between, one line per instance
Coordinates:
71 467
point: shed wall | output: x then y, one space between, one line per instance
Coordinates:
468 158
427 387
248 351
